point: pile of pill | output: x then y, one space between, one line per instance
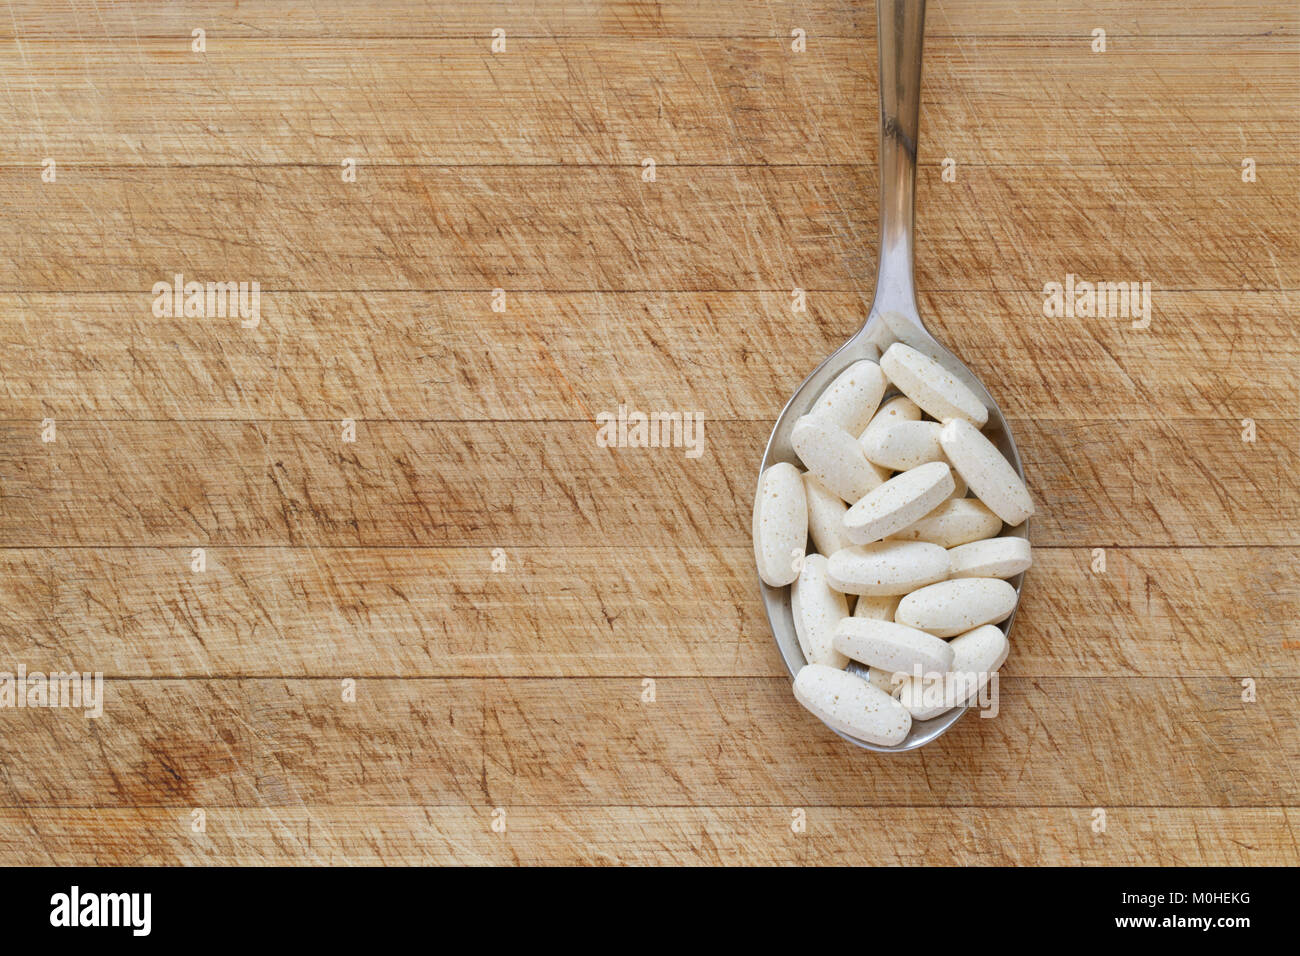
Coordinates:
885 502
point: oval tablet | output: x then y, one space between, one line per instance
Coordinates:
980 652
817 611
835 457
976 655
887 567
900 408
825 516
852 398
950 608
880 608
935 389
990 476
899 502
850 705
956 521
992 558
902 445
780 524
926 698
894 648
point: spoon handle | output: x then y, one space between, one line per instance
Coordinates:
901 26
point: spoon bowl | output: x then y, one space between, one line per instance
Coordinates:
866 345
894 317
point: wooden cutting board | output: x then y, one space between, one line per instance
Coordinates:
430 618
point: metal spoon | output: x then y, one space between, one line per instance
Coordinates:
893 317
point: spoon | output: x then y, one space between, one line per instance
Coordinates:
893 317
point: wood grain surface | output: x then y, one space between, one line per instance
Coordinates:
566 638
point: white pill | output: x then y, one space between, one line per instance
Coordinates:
902 445
990 476
825 516
850 705
936 390
956 521
950 608
880 608
976 655
903 500
852 398
926 698
835 457
900 408
780 524
894 648
980 652
887 567
993 558
817 611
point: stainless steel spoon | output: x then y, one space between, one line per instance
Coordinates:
894 315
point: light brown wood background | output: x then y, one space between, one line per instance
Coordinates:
522 690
